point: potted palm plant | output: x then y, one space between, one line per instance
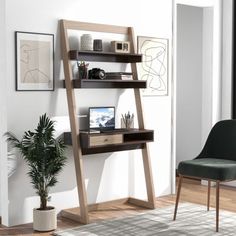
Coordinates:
45 157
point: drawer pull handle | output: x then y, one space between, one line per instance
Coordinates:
105 140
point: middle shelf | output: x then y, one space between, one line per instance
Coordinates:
92 143
98 83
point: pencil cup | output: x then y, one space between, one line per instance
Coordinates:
83 72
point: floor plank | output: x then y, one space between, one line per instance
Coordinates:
192 191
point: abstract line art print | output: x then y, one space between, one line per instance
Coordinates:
154 66
34 61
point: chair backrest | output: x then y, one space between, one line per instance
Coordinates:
221 142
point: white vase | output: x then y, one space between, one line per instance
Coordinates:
44 220
86 42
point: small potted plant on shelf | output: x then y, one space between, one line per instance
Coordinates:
45 157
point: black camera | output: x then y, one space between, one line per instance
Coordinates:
96 73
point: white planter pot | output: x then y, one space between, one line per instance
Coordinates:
44 220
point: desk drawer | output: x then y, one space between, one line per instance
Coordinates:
105 139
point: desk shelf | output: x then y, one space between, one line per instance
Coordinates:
92 143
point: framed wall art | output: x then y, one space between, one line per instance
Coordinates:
34 61
154 66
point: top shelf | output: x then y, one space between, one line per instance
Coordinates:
104 56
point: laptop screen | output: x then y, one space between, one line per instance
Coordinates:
101 118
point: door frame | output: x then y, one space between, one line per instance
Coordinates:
3 117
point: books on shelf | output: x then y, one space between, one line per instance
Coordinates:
119 75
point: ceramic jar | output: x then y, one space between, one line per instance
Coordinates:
97 45
86 42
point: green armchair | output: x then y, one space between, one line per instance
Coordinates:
216 162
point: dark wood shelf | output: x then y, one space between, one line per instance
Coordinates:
92 143
97 83
104 56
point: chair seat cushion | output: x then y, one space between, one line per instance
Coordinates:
209 168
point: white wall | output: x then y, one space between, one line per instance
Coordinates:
220 95
108 176
3 120
194 79
211 89
189 82
227 59
227 64
207 72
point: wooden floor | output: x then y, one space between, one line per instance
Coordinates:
191 191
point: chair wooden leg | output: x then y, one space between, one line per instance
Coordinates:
217 204
208 194
177 196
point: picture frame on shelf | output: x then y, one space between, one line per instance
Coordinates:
34 61
154 66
